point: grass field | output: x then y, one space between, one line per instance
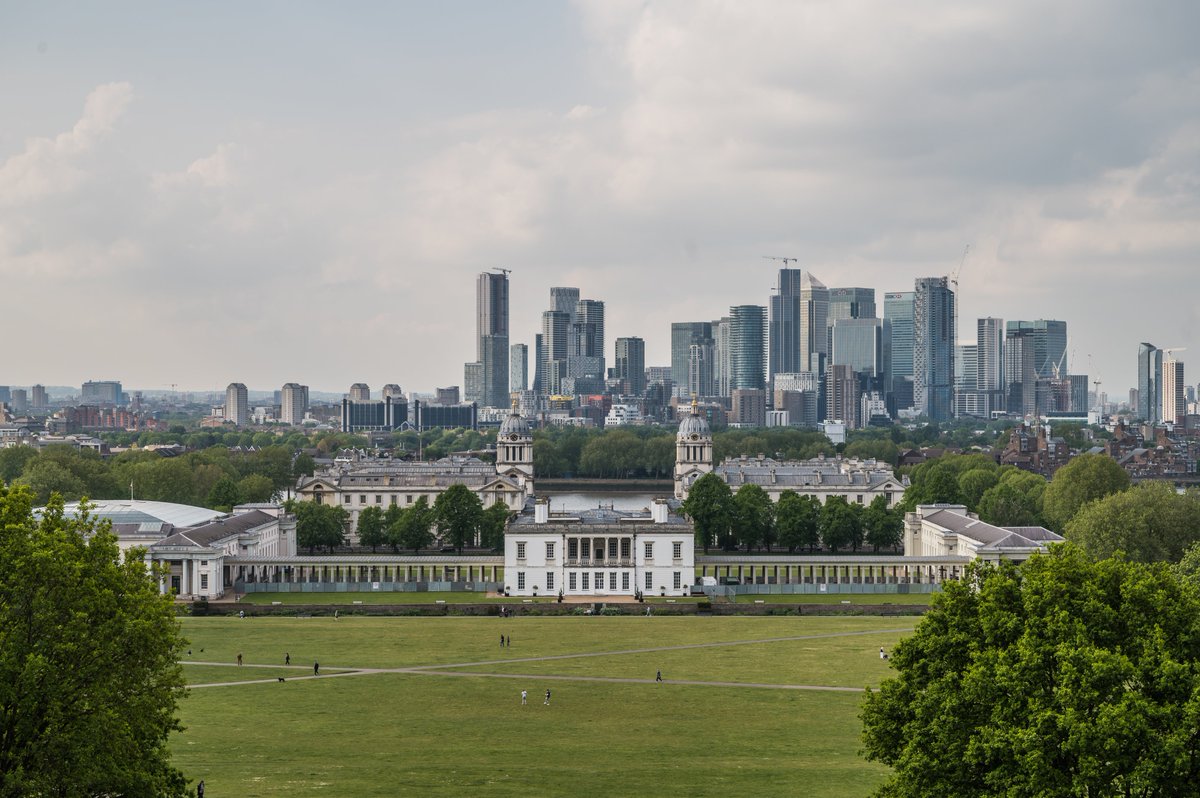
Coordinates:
441 713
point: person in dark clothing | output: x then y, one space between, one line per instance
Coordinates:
316 669
547 701
287 658
658 676
200 789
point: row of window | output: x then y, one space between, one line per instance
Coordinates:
583 580
573 553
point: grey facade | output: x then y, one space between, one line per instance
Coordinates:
630 364
1149 406
814 323
1049 340
865 346
933 347
518 368
683 335
555 333
100 392
784 324
746 352
898 311
491 295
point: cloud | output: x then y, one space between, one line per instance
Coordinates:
50 166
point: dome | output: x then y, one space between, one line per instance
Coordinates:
693 424
515 424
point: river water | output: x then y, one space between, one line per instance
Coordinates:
570 502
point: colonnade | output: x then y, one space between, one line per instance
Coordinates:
831 572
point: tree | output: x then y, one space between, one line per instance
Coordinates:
797 521
840 526
1150 522
491 530
303 466
319 525
370 527
417 526
458 510
1007 505
974 483
256 488
1061 677
1086 478
754 517
46 477
709 504
13 461
224 495
881 525
393 526
89 674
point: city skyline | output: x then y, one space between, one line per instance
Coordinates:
200 209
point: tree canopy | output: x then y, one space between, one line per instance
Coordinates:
459 512
89 671
1085 479
709 504
1150 522
319 525
1061 677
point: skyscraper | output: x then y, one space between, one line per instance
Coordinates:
630 364
683 335
814 321
585 352
491 295
293 403
722 368
1020 370
933 347
1149 383
237 404
746 355
989 360
360 392
1173 403
37 397
841 395
784 324
898 311
518 368
865 346
848 303
555 332
564 300
700 370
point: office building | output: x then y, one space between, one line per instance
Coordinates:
749 407
237 404
585 349
19 401
700 370
556 326
1174 406
746 353
933 348
382 415
865 346
1149 400
683 335
898 312
491 299
37 397
630 364
293 403
1020 369
1048 339
848 303
784 324
101 392
518 368
5 394
722 368
814 321
448 396
360 392
565 300
538 357
393 390
841 395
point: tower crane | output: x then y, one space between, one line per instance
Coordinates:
785 260
505 272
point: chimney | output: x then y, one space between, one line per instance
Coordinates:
541 511
659 511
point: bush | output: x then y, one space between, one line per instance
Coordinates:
704 605
610 611
200 606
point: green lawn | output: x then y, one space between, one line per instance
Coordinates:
838 598
386 734
213 674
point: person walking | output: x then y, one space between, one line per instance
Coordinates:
658 676
200 789
547 701
287 658
524 697
508 642
882 655
239 658
316 669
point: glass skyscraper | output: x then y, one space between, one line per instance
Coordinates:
933 348
491 298
747 328
898 311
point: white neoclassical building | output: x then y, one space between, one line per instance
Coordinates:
599 552
382 483
941 530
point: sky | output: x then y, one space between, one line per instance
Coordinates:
197 194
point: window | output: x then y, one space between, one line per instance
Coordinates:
550 551
362 498
649 550
625 581
677 549
571 581
625 546
347 498
378 499
408 499
859 499
612 580
520 580
586 576
393 498
599 580
572 548
204 581
550 581
649 581
521 550
318 498
677 580
612 548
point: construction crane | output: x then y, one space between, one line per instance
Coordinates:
1169 349
505 272
786 261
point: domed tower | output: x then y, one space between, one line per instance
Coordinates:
514 450
693 451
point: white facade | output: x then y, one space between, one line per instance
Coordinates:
599 553
621 415
293 403
237 404
940 530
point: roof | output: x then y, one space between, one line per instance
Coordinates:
137 511
595 516
220 529
817 474
992 537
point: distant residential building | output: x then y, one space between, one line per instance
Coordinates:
841 395
518 368
683 335
1174 406
5 394
237 404
448 396
101 392
747 356
1149 399
360 392
700 370
1080 389
556 327
293 403
565 300
620 415
722 331
37 397
933 347
393 390
749 408
425 416
473 382
1048 339
19 401
630 364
